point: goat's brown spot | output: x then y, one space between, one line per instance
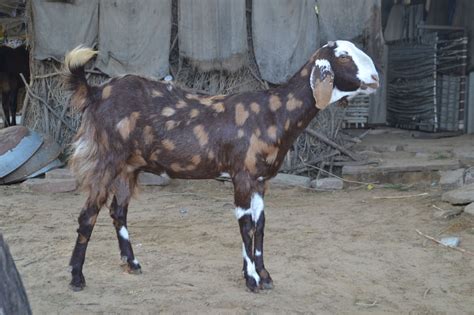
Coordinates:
127 125
176 167
93 219
82 239
191 96
272 132
170 124
287 124
201 135
206 101
210 155
257 132
104 141
181 104
79 98
190 167
106 91
255 107
156 93
241 114
240 133
154 155
299 124
148 135
275 103
196 159
168 144
194 113
293 103
259 147
137 159
168 111
304 72
218 107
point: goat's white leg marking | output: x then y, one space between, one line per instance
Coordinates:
135 261
239 212
255 210
124 233
251 272
256 204
258 253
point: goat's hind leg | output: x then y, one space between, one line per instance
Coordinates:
124 186
87 219
118 212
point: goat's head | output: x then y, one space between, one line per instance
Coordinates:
341 70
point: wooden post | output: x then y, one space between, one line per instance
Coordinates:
13 299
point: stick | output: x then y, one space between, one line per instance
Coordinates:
328 141
401 197
459 249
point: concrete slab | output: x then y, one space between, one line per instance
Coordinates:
50 185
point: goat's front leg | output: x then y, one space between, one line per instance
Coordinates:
86 220
249 211
118 212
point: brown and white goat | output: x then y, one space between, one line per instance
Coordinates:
132 124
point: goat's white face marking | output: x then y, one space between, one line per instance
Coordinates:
251 272
135 261
124 233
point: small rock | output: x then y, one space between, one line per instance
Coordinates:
469 176
330 183
150 179
59 173
448 214
451 179
183 211
290 180
50 185
460 196
451 241
469 209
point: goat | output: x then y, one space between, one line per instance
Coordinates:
14 62
132 124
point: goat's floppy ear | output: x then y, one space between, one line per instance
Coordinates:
322 82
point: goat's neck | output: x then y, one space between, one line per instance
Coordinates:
299 88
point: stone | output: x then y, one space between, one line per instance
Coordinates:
59 173
469 209
50 185
460 196
469 176
150 179
329 183
451 179
448 214
290 180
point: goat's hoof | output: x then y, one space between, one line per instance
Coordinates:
266 281
134 269
252 285
266 284
78 285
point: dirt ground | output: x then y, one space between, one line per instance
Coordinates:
328 252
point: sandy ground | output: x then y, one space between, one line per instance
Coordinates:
341 252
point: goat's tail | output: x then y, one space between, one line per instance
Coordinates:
75 77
